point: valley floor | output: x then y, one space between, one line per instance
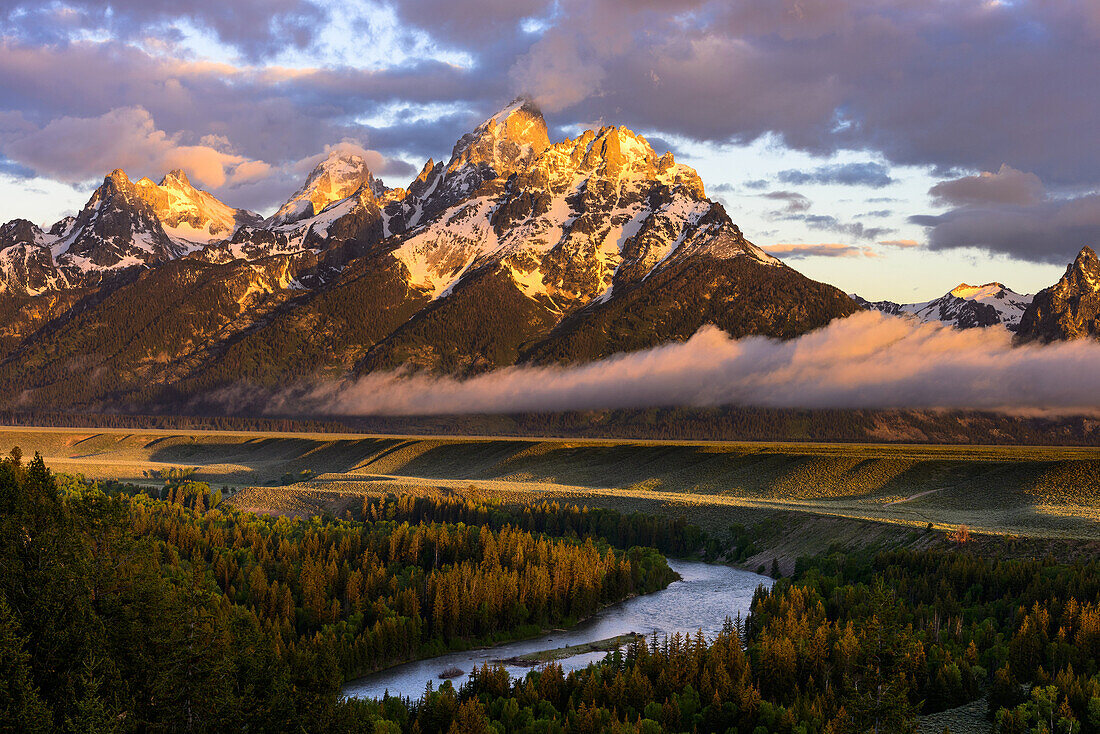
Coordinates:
814 495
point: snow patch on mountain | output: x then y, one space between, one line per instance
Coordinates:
343 172
964 306
192 217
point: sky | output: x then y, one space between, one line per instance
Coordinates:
894 148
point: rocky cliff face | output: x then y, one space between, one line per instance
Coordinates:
1069 309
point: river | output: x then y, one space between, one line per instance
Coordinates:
702 599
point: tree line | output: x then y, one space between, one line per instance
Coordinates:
667 534
125 612
121 611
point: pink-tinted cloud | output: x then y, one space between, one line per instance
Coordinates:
868 360
796 251
76 149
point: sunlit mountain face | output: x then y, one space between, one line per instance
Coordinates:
550 366
551 185
843 157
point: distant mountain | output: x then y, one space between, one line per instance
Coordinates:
117 229
337 177
1069 309
965 306
514 250
190 216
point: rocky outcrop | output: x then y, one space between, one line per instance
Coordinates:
191 216
1069 309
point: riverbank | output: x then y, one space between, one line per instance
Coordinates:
704 597
542 657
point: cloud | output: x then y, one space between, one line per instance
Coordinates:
795 201
76 149
470 22
256 28
868 360
1012 213
940 89
826 249
899 243
830 223
908 86
1006 186
379 164
874 175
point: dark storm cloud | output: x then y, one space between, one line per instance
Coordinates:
874 175
1010 212
1049 232
973 84
1007 186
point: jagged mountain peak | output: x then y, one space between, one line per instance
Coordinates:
621 154
176 176
1069 309
190 216
1084 272
341 173
509 139
117 177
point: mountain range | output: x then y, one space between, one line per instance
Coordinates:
964 306
516 250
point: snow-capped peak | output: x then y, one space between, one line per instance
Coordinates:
509 139
191 217
965 306
981 292
339 175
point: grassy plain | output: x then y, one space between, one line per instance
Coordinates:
833 493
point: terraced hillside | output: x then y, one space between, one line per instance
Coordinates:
1026 491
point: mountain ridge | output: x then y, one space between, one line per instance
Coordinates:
965 306
515 250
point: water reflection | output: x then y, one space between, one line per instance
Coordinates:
705 596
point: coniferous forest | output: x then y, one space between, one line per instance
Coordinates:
125 609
